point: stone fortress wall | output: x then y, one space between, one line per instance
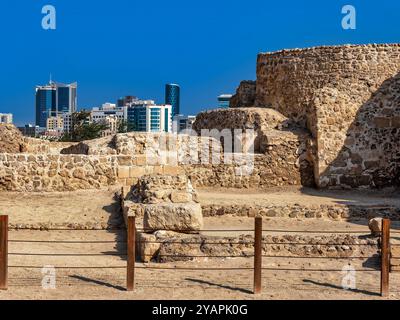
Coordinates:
348 99
124 158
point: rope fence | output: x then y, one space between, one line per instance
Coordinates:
257 245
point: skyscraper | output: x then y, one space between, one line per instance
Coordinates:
172 97
54 99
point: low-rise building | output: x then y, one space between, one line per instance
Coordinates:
67 122
6 118
106 110
55 124
112 123
181 122
224 100
30 130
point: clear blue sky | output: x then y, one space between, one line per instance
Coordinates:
123 47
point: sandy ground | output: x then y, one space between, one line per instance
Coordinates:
88 207
75 283
293 195
107 249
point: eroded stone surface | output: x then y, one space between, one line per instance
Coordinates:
184 217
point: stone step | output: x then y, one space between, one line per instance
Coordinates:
395 252
395 269
395 262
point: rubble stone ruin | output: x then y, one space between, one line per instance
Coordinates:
347 98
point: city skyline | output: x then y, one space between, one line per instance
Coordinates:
207 59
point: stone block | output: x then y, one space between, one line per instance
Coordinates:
123 172
158 170
141 160
181 197
185 217
375 225
124 160
171 170
395 262
382 122
137 172
371 164
395 252
147 246
396 122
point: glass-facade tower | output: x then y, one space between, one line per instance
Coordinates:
172 97
54 99
45 105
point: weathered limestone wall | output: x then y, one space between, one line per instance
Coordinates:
12 141
169 246
245 95
280 147
280 166
370 154
336 211
30 172
347 96
258 119
40 146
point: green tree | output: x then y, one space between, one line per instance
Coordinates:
82 129
124 126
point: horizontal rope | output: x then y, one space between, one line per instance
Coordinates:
252 255
194 242
252 230
195 231
72 267
63 229
251 268
205 242
320 270
321 244
312 257
66 254
191 269
319 231
64 241
197 256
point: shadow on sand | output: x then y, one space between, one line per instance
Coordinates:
219 285
332 286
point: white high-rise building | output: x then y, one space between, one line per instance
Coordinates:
146 116
6 118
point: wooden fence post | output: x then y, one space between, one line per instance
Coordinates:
257 255
3 252
131 241
385 257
